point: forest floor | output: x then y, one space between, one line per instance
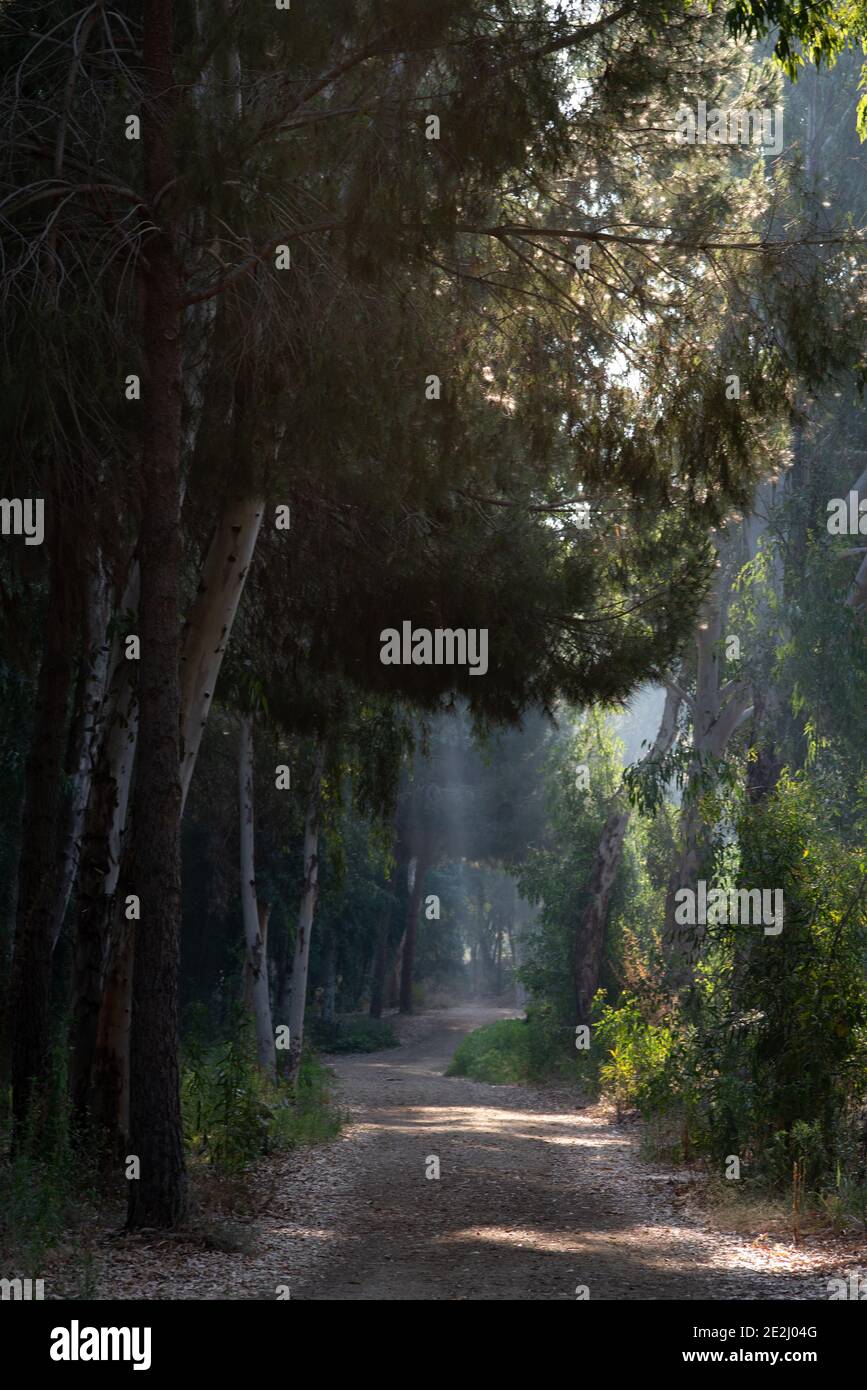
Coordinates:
537 1195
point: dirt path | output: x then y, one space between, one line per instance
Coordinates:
536 1196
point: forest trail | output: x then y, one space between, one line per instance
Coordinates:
536 1195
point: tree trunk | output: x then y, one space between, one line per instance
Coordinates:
416 888
98 875
8 906
85 740
158 1198
516 943
309 895
263 913
329 993
210 623
718 710
394 975
207 635
108 1109
380 961
380 965
30 1022
590 937
256 959
282 986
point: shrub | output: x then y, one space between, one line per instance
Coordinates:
48 1180
638 1068
499 1052
233 1114
359 1034
537 1048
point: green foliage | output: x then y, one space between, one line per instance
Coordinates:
308 1114
356 1034
532 1049
806 1052
805 33
824 28
551 1051
46 1181
637 1068
498 1053
767 1058
233 1114
555 872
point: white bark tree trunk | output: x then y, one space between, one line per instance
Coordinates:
206 636
256 960
102 971
210 623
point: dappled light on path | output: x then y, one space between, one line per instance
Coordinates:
538 1196
548 1190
